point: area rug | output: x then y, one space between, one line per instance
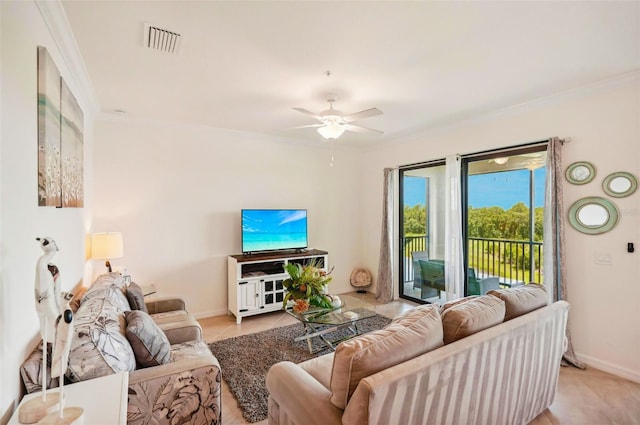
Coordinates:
246 359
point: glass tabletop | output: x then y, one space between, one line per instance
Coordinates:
337 316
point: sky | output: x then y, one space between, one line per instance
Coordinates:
504 189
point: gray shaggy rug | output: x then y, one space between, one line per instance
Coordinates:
246 359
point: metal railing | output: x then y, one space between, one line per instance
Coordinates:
513 261
412 244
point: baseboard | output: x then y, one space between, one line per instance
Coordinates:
610 368
210 313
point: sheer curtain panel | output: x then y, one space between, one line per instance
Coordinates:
384 287
555 271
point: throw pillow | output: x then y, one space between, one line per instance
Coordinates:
150 345
474 315
446 306
136 297
418 332
522 300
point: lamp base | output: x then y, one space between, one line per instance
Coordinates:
70 416
35 409
108 265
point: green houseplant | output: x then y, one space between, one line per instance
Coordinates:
307 286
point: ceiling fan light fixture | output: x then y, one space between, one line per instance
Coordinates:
331 130
501 160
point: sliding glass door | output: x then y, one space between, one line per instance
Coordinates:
502 194
422 222
503 219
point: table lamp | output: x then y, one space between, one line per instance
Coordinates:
106 246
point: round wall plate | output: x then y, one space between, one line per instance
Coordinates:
620 184
581 172
593 215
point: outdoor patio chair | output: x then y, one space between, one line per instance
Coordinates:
477 286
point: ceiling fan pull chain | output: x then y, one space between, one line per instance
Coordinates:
332 158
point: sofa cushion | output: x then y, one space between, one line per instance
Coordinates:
103 286
150 345
178 325
136 297
189 350
446 306
471 316
417 333
522 300
99 346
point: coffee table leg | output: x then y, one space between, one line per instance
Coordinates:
311 332
309 329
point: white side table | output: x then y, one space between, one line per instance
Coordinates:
103 399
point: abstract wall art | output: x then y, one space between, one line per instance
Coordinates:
60 139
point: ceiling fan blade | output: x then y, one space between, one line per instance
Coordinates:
362 115
306 112
361 129
307 126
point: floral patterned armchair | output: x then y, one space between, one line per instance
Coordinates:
186 389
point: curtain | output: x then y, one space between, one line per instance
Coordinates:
454 275
555 272
384 288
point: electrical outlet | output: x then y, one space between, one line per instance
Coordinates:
603 258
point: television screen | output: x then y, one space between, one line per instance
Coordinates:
268 230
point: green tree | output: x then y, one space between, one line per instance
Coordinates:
513 224
415 219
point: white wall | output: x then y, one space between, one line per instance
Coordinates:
21 220
604 125
176 191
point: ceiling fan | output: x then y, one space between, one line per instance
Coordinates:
333 123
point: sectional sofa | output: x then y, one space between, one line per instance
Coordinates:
173 376
491 359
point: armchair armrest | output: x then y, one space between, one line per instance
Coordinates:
164 305
300 397
184 391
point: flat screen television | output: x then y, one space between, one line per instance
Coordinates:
270 230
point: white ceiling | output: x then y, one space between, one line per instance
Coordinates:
244 65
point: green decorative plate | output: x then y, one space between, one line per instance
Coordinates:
593 215
580 172
620 184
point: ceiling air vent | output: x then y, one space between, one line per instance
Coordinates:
161 39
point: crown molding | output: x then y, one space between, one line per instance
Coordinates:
55 18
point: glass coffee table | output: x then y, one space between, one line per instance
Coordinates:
320 321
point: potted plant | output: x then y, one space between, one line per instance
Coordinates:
307 286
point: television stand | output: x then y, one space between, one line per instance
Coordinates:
255 280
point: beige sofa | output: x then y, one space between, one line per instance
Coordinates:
504 373
173 376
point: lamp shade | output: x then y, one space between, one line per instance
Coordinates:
105 246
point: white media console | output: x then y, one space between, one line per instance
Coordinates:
255 280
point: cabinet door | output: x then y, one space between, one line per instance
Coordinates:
249 292
273 292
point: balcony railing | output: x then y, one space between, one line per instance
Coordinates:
514 262
412 244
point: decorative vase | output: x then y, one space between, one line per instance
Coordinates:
336 302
